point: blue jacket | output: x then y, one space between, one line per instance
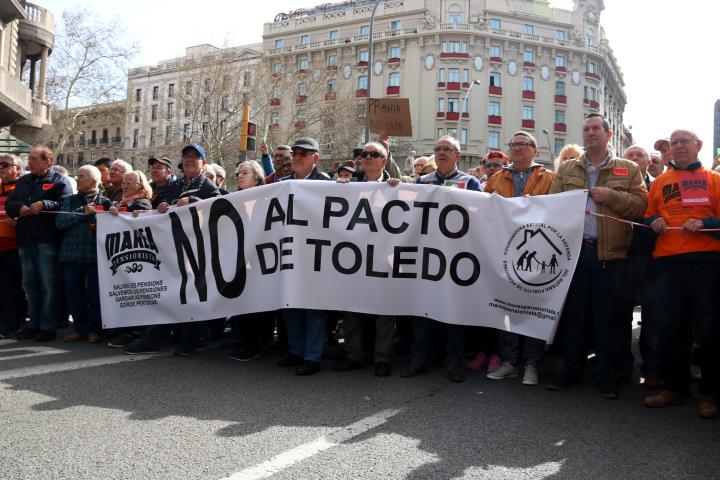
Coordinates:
50 189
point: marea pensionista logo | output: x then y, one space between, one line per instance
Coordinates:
130 249
536 258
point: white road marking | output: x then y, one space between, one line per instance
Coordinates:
7 341
289 458
35 352
66 366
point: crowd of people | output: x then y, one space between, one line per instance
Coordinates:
650 238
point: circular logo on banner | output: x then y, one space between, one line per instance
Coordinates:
537 258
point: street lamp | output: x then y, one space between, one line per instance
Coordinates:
547 136
370 66
463 107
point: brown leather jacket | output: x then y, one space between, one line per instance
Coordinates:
538 183
628 200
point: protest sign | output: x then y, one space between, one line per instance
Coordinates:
391 116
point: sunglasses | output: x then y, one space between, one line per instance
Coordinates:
493 165
371 154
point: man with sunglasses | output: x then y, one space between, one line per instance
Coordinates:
493 162
305 327
12 296
375 158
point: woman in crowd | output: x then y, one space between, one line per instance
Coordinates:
136 194
78 254
568 152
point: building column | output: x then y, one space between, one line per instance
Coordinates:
43 72
32 76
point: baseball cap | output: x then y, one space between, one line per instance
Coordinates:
349 166
199 149
164 160
659 144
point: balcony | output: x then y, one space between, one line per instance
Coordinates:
454 55
331 68
394 60
302 71
529 65
496 60
441 85
560 127
495 90
393 90
466 115
440 115
561 99
274 102
453 86
92 142
104 140
299 125
37 30
465 85
594 105
560 70
361 93
116 139
362 64
528 123
330 96
495 119
15 99
453 116
592 76
528 94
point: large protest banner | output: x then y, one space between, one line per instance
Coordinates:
450 254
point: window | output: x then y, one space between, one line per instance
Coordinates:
302 90
332 60
206 129
495 51
559 88
589 41
363 56
494 109
277 68
591 67
170 110
560 35
394 52
362 82
186 132
452 132
156 92
153 134
494 140
495 24
360 110
274 118
465 106
171 90
81 157
279 43
441 75
455 18
528 112
463 136
529 84
529 29
395 25
105 134
559 116
332 86
559 144
495 79
365 30
466 75
394 79
334 35
93 135
560 61
453 105
154 112
188 109
188 88
276 92
528 56
138 94
208 84
117 134
453 75
226 103
454 47
206 106
441 104
168 134
440 133
591 94
303 64
304 39
136 136
247 78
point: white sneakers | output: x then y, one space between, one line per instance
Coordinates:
508 370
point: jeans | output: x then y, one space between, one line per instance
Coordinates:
354 329
532 348
306 332
687 296
12 296
40 281
83 295
454 347
592 296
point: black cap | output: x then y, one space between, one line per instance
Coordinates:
164 160
306 143
349 166
357 151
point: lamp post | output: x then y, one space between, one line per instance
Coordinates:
370 67
465 100
547 136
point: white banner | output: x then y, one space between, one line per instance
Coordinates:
453 255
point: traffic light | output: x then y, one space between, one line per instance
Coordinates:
248 132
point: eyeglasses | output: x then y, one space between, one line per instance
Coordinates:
371 154
681 142
444 149
493 165
520 144
83 177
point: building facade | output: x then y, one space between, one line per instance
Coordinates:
520 64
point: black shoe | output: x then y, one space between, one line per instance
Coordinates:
27 333
307 368
45 336
382 369
608 390
244 354
121 341
563 381
184 350
290 360
138 348
347 365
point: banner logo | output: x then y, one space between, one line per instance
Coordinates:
131 248
536 258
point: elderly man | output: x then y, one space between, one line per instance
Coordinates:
274 165
113 190
683 203
305 327
12 296
521 178
616 189
663 146
374 156
43 190
656 167
161 176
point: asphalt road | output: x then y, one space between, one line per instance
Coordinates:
84 411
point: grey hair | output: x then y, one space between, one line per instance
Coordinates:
126 165
257 171
379 146
92 171
450 139
14 159
647 154
219 171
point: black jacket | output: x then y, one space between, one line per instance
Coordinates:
51 189
160 194
195 189
314 175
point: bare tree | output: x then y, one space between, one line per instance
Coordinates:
88 67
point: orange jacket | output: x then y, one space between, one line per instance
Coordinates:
502 182
664 200
7 229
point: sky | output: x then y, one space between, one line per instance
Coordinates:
665 49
